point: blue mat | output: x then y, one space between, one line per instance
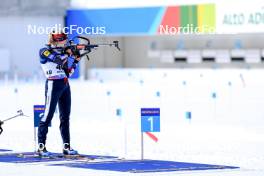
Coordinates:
113 164
17 158
140 166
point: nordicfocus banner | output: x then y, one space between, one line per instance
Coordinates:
217 18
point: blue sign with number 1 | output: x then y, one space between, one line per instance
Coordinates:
150 120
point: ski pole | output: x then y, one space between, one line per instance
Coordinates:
20 113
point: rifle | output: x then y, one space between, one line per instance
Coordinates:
87 46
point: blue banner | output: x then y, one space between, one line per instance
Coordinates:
150 112
124 21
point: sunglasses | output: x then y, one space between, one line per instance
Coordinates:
59 37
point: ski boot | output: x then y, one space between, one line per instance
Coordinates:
67 150
43 152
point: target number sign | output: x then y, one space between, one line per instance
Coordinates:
150 120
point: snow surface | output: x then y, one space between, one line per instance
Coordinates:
226 130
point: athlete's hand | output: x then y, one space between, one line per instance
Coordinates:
77 58
69 52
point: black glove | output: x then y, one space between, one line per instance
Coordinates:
76 53
62 63
68 50
58 60
73 51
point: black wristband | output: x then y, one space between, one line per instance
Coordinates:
75 61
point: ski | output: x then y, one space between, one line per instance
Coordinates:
56 156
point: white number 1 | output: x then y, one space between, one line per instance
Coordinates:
151 123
